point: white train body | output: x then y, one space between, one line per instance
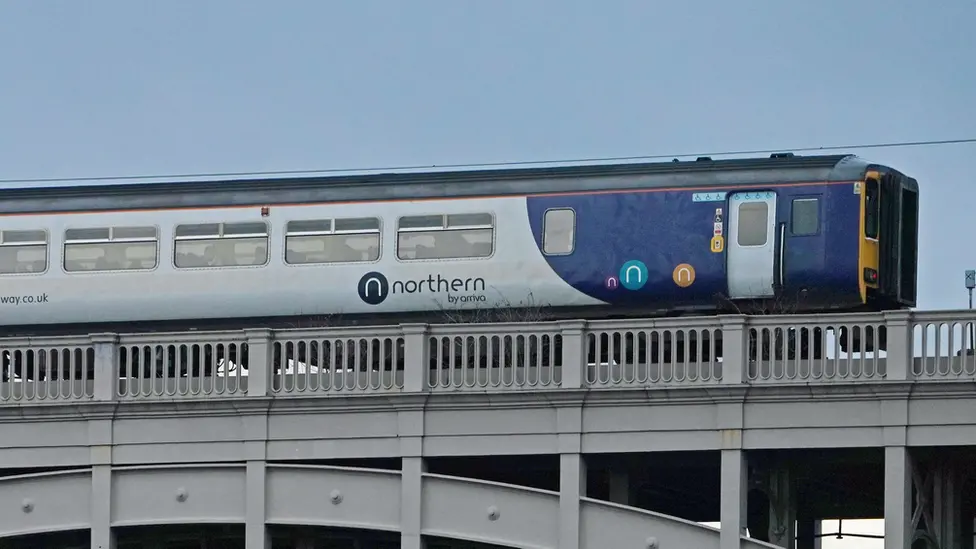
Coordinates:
274 288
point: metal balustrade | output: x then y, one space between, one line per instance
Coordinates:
660 352
412 358
337 360
942 346
47 370
839 348
499 356
180 365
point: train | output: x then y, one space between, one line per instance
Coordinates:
784 233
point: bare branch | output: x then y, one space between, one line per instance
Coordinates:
777 305
503 311
318 321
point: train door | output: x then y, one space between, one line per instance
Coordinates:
750 252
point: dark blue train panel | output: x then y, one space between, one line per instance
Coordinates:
695 249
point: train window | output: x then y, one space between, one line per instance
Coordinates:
753 224
327 241
805 218
23 251
872 208
454 236
559 232
204 230
110 249
221 245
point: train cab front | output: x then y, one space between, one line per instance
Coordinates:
888 244
888 251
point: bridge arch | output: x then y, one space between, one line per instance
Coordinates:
318 495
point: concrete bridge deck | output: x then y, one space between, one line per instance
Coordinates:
110 430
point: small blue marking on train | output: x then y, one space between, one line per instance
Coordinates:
766 195
633 275
709 197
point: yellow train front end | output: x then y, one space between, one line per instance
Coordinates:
887 250
888 240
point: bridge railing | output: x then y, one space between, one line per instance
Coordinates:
598 355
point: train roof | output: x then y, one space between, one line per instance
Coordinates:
103 195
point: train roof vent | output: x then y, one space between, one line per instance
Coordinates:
782 155
703 159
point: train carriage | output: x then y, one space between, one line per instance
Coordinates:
785 234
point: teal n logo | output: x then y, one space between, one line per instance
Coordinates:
633 275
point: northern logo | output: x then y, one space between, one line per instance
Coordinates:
374 288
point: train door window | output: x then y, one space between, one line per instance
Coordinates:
805 217
23 252
241 244
559 232
332 241
872 208
110 249
753 224
449 236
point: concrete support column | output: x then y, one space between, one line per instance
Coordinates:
898 498
572 486
733 498
100 456
411 513
255 533
255 452
102 536
572 472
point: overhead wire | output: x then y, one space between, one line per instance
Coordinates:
859 146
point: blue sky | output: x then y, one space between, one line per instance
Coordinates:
141 87
122 87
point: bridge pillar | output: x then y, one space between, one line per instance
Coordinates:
255 532
100 454
733 498
412 472
898 498
572 486
102 536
